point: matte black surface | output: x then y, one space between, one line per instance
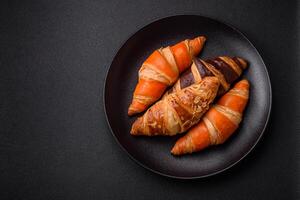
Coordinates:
154 153
54 140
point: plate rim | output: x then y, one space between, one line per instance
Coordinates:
209 174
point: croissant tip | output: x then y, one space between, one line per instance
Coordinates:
242 84
136 127
136 132
130 113
133 131
245 81
243 62
173 152
202 37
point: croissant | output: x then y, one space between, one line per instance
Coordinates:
160 70
218 124
178 111
225 68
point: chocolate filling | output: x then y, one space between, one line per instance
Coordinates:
186 79
229 74
203 71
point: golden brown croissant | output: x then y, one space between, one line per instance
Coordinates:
178 111
226 69
160 70
218 124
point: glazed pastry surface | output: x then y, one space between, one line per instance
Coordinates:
178 111
218 124
160 70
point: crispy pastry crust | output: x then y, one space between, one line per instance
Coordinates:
226 69
218 124
160 70
178 111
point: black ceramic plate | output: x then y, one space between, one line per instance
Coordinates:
154 153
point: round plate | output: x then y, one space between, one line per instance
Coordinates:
153 153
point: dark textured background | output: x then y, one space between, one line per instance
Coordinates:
54 140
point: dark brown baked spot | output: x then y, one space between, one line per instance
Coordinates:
229 74
186 79
203 71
